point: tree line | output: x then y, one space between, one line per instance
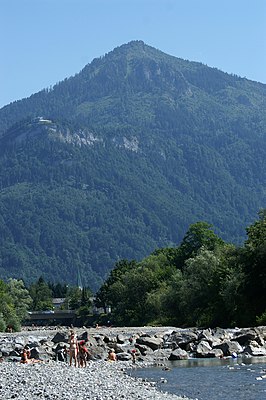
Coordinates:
202 282
16 300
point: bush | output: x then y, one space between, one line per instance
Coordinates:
2 323
262 319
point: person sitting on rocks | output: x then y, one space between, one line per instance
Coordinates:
24 357
73 348
60 355
28 351
65 352
112 355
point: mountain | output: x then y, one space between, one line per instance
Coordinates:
121 158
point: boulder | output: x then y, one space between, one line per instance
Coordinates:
144 350
161 355
228 348
209 336
152 342
178 354
14 353
19 341
83 336
245 336
120 339
60 346
35 353
215 353
99 340
203 349
33 341
221 334
123 356
170 345
182 339
6 350
191 347
255 350
60 337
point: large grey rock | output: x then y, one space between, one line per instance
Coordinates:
170 345
14 353
120 339
84 336
182 339
33 341
152 342
60 337
221 334
178 354
144 350
19 341
228 348
215 353
35 353
203 349
6 350
254 349
210 336
161 355
245 336
123 356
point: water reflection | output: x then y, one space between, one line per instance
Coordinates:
208 362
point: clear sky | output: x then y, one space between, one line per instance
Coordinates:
43 42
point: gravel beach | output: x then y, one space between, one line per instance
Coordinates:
100 380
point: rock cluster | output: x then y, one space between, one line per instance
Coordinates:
102 380
152 345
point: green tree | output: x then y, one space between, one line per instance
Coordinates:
198 235
8 314
73 298
129 291
85 309
21 298
170 299
200 297
41 296
103 298
254 260
2 323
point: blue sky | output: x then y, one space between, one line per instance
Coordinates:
45 41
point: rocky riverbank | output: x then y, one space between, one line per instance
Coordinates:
101 380
52 379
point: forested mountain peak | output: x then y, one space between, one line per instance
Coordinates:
131 71
122 157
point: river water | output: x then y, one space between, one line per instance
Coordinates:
211 379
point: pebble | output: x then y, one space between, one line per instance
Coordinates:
100 380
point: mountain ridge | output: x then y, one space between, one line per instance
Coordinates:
137 146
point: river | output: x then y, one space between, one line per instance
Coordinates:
211 379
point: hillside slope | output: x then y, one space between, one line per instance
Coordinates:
129 152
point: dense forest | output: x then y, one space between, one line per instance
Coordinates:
121 159
203 282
